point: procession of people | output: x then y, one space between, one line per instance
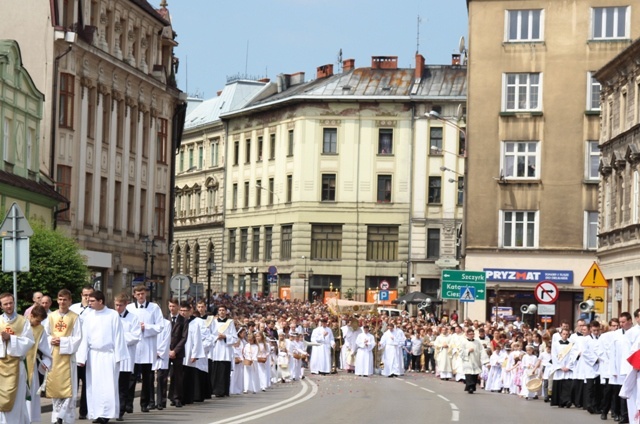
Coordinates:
246 345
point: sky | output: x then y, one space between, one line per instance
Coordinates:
263 38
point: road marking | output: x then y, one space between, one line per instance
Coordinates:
455 415
443 398
414 385
288 403
453 406
455 412
427 390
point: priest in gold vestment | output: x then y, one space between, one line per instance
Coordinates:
64 334
17 339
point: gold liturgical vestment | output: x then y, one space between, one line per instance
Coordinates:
33 352
59 385
10 366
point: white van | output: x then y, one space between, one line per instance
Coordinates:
390 311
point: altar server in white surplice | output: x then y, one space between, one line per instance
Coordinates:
17 339
193 350
322 337
132 336
392 342
102 349
365 342
38 360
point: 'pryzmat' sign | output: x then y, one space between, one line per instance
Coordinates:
528 275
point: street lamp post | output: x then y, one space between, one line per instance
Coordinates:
148 254
211 268
304 293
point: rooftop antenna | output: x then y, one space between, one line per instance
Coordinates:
418 35
246 60
340 61
462 48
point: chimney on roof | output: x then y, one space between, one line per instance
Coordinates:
324 71
348 65
419 66
218 93
297 78
455 59
265 80
384 62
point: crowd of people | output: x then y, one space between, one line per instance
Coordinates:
245 345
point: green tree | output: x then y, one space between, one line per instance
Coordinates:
55 263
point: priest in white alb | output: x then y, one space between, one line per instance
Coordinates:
323 341
17 339
102 349
392 342
365 342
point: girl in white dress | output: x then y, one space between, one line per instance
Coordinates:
283 359
263 357
250 361
237 375
494 378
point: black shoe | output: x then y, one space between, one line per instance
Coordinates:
120 418
174 404
160 407
128 409
144 409
152 407
178 404
82 417
615 417
603 416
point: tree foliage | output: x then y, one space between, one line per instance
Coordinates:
55 263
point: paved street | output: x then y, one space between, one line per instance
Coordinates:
344 398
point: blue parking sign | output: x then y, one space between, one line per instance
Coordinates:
383 295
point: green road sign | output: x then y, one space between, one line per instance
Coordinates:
453 281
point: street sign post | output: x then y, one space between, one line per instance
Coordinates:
546 292
467 294
15 232
383 295
453 281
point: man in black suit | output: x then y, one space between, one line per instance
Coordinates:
179 332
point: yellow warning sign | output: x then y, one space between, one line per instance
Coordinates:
594 277
597 294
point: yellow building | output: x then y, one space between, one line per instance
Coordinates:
533 118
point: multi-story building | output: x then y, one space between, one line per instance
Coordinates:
533 119
21 106
321 175
111 123
619 242
199 186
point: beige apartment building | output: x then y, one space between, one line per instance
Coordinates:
533 156
110 114
619 244
321 175
199 187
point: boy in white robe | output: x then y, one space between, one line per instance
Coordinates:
193 351
102 349
365 342
161 364
322 337
132 335
17 340
392 341
37 365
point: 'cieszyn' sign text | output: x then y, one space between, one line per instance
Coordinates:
528 275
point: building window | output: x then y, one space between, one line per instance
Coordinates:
63 186
200 157
271 192
382 242
161 147
230 284
66 100
290 144
268 243
519 229
592 161
272 146
260 148
328 187
258 192
286 236
435 190
246 194
433 243
435 140
7 140
234 196
244 244
236 152
326 242
289 188
190 159
215 146
232 245
384 188
247 150
524 25
181 161
591 230
255 244
330 140
462 143
520 159
385 141
159 216
117 206
522 91
593 92
609 22
460 190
